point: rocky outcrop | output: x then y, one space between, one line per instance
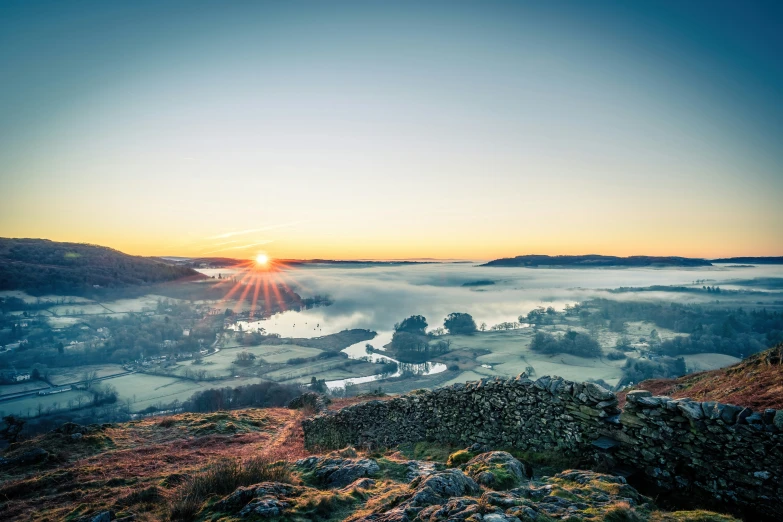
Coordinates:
450 495
721 452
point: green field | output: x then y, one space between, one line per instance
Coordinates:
62 376
508 353
28 406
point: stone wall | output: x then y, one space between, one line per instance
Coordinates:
722 452
718 451
548 414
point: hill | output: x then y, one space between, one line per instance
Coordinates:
754 260
40 266
251 465
756 382
596 261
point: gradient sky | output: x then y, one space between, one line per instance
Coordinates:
394 129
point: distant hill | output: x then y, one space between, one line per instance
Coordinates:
754 260
593 261
40 266
756 382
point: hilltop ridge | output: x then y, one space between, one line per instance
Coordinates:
41 266
755 382
596 261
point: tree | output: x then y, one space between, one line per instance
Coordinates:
13 427
244 359
483 327
459 323
415 324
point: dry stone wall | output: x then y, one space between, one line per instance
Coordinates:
547 414
719 451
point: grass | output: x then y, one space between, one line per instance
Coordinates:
161 452
430 451
690 516
223 477
459 458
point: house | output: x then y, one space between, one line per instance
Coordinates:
22 377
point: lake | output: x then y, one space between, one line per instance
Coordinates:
377 297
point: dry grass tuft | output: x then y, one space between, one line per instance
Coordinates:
223 477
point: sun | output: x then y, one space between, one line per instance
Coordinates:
262 259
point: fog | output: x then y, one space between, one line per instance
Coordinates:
378 297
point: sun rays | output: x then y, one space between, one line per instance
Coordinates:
263 284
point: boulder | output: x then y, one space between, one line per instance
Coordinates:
336 472
449 483
497 470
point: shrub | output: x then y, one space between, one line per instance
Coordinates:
615 355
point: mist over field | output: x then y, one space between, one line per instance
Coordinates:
378 297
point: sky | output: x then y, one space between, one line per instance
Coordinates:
391 130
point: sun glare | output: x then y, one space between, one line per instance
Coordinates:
262 259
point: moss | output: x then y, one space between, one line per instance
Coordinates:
392 470
551 461
568 495
459 458
429 451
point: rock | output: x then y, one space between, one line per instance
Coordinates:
76 436
103 516
777 421
362 483
449 483
264 507
743 415
598 393
763 475
691 410
243 495
497 517
336 472
635 395
729 413
497 470
28 458
453 509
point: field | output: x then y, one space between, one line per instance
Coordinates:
10 389
508 354
145 390
28 406
702 362
62 376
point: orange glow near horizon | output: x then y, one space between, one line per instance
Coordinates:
247 283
